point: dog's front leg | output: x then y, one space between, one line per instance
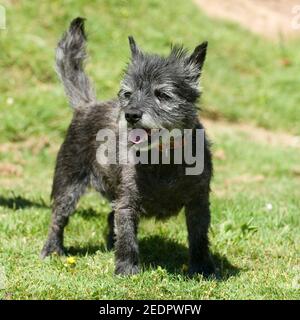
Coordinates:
126 221
198 219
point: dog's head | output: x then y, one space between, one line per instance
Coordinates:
160 92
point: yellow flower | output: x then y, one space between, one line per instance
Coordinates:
71 261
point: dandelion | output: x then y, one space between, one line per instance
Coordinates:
71 261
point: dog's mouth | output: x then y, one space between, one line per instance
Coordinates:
139 136
146 139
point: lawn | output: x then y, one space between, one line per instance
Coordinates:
255 200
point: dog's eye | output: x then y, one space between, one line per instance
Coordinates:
127 94
160 95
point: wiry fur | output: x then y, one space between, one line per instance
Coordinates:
163 92
70 56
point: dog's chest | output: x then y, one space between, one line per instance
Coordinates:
163 190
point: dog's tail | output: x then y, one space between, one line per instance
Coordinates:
70 55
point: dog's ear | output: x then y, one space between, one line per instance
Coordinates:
135 51
198 56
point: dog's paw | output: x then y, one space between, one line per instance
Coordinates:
52 247
207 269
126 268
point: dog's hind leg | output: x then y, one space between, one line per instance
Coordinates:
198 219
66 192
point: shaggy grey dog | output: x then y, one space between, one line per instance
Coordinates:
156 92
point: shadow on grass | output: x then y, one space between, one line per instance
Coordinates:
18 202
87 214
89 249
158 251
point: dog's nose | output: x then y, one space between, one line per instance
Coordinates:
133 116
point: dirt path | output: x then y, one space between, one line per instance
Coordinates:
256 134
271 18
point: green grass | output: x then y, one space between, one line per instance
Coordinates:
257 251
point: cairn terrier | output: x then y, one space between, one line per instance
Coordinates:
156 93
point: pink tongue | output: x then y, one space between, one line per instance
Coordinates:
137 137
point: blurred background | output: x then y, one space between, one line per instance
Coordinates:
250 107
248 77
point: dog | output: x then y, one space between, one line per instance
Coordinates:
156 92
